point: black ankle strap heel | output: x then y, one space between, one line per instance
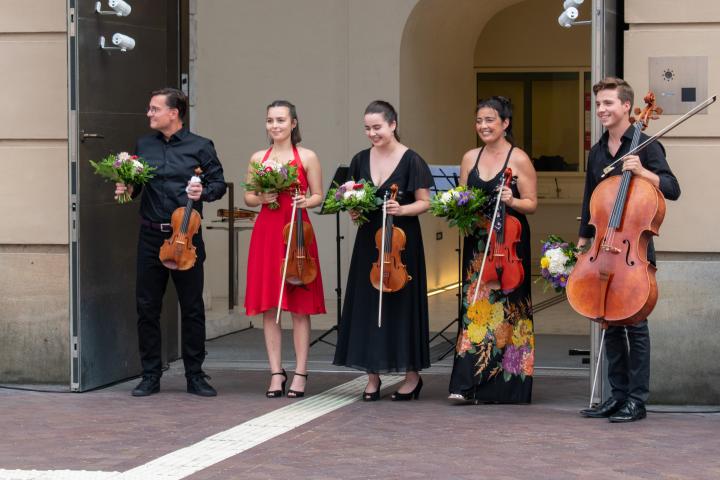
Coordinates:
295 393
281 392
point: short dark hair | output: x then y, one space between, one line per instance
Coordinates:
174 98
624 90
295 136
503 107
388 112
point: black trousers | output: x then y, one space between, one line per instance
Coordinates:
152 278
628 354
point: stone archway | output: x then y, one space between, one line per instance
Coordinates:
437 80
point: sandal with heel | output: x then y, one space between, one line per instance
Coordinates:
281 392
295 393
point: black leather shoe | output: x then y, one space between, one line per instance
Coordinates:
604 410
197 385
148 385
630 412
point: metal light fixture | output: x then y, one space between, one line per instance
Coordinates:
570 14
121 42
119 8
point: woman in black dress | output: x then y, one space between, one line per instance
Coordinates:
401 343
495 352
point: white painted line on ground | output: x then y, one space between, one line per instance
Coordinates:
216 448
55 475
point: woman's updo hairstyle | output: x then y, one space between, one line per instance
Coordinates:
295 137
503 107
388 112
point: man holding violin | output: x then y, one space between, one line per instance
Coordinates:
627 347
175 152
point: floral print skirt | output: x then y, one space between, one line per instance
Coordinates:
495 352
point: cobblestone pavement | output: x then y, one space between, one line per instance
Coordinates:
108 430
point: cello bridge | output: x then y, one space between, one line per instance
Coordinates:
610 248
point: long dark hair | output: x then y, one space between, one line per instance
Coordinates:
388 112
503 107
295 136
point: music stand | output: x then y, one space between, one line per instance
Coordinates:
446 177
341 174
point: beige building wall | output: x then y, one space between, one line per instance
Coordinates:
34 328
662 28
684 323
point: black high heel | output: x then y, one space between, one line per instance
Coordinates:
397 396
294 393
374 396
281 392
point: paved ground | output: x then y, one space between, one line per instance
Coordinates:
108 430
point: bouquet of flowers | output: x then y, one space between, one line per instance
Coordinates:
271 176
359 197
460 205
559 258
125 168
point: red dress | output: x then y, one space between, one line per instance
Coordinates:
266 255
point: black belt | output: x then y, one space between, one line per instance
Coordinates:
163 227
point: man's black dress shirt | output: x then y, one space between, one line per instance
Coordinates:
652 158
175 161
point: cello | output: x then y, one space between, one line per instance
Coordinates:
178 251
388 271
613 282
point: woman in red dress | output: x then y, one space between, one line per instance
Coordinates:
267 250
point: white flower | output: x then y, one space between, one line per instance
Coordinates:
272 164
138 166
123 156
348 194
558 259
446 197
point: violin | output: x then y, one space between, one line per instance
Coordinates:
390 242
301 268
178 251
505 267
613 282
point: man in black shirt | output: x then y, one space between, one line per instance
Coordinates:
627 347
175 152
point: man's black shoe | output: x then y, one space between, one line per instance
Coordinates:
630 412
150 384
604 410
199 386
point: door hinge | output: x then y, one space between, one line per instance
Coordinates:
71 22
74 347
73 218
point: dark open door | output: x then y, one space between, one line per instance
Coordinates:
109 91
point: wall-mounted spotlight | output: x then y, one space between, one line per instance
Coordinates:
569 17
121 42
119 8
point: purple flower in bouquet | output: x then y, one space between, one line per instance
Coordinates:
463 198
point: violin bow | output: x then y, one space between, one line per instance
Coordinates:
662 132
382 259
287 256
487 244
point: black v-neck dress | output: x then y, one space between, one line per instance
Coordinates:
401 344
